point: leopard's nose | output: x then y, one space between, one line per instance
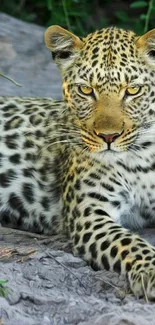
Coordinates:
109 138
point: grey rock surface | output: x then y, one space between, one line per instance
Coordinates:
24 57
47 285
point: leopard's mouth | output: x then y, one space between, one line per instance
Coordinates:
96 147
96 144
116 141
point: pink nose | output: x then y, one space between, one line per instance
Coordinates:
109 138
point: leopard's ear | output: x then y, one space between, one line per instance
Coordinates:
146 45
64 45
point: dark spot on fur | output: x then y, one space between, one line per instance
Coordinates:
89 182
13 123
81 250
28 144
105 245
124 254
105 262
28 192
138 267
76 239
16 203
97 196
128 266
101 212
28 172
145 251
87 212
86 237
101 235
94 266
126 241
117 266
15 159
11 141
114 251
98 226
87 225
93 250
78 227
76 213
118 236
134 249
7 177
45 202
77 184
148 258
6 217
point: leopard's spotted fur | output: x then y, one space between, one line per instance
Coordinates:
90 158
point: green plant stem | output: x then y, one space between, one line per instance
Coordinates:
66 14
16 83
150 7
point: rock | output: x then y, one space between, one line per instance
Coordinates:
25 58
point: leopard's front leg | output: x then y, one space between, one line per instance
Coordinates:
105 244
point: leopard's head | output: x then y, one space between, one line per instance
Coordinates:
109 84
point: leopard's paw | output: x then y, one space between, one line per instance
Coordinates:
142 282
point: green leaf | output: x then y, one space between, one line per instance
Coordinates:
2 293
122 15
49 4
138 4
80 27
104 22
77 14
3 282
142 16
3 290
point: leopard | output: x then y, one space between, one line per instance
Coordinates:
85 166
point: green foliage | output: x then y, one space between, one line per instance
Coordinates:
3 289
139 4
83 16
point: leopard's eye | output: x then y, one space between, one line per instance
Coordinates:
133 90
86 90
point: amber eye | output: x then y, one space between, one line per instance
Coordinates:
86 90
133 90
